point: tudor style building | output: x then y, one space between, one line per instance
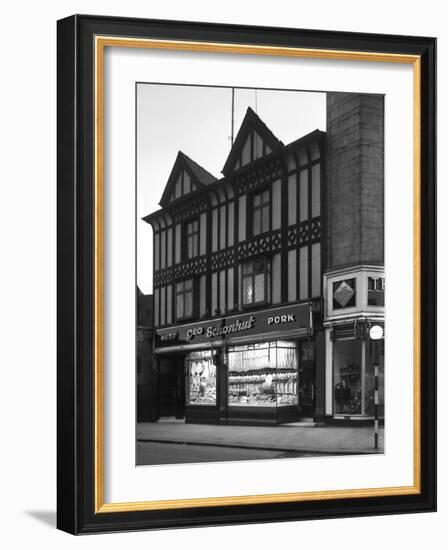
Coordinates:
242 334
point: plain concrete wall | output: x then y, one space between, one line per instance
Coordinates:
355 179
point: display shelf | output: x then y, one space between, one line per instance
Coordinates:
201 379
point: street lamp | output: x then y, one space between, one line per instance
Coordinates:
376 333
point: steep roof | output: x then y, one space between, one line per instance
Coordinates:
198 175
201 173
251 122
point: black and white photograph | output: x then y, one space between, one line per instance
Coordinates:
260 274
221 299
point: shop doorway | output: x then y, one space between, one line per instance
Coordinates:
171 384
306 380
349 374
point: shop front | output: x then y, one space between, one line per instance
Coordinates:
244 369
354 355
355 304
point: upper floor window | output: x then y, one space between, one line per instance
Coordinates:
375 291
184 299
261 210
191 239
255 282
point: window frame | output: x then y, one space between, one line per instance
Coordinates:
251 276
187 235
378 279
252 209
183 293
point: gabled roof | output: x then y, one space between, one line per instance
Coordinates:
250 123
199 176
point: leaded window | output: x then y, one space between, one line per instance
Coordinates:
254 282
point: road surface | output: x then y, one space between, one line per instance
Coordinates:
177 453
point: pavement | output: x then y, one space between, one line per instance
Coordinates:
281 438
166 453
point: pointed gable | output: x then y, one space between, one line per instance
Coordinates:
186 176
253 141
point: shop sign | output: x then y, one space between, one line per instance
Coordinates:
288 317
376 332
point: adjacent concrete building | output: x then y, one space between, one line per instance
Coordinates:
354 273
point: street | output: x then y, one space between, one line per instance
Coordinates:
150 453
178 453
174 442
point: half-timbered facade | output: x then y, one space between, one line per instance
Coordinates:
250 239
241 247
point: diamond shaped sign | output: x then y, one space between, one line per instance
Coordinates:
343 294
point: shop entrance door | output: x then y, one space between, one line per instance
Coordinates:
306 380
171 394
306 391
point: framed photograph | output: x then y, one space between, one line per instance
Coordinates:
246 274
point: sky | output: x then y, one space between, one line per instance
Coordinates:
197 121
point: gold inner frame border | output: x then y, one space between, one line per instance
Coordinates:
100 43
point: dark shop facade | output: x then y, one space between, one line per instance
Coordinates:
268 280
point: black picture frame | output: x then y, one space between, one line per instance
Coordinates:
77 511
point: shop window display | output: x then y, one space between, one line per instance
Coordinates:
354 389
263 374
348 379
201 375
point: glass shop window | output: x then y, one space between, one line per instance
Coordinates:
201 378
347 377
375 291
184 299
263 374
255 282
260 213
